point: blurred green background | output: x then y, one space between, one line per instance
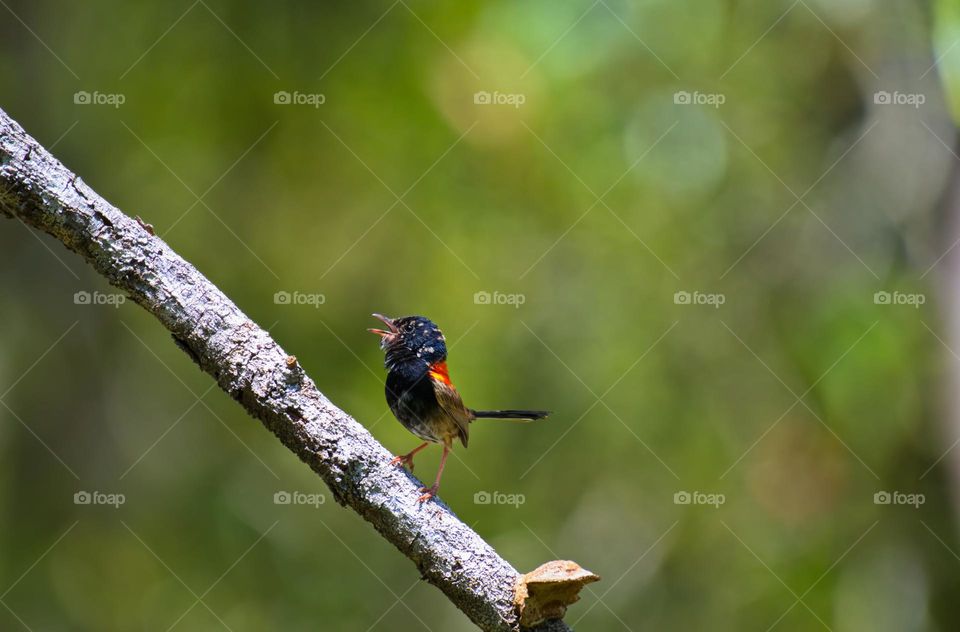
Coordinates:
682 213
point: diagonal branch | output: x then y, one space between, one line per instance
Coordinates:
268 383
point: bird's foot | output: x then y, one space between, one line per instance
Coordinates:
403 460
429 492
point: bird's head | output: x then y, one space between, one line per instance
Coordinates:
411 339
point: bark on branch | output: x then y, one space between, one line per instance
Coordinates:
268 383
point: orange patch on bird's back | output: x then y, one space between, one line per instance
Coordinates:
438 371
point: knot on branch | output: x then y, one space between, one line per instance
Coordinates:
545 593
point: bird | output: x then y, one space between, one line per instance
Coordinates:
421 395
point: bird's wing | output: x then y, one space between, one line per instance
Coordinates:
452 405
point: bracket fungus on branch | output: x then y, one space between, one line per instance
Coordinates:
545 592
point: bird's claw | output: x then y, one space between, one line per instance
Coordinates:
429 492
403 460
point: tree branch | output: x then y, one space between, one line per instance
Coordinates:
268 383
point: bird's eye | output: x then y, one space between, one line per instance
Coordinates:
408 327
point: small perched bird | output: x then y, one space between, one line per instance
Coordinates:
420 393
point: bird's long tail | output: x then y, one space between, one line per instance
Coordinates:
516 415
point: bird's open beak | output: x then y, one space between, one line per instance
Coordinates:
385 336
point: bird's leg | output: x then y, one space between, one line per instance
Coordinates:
407 459
430 492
